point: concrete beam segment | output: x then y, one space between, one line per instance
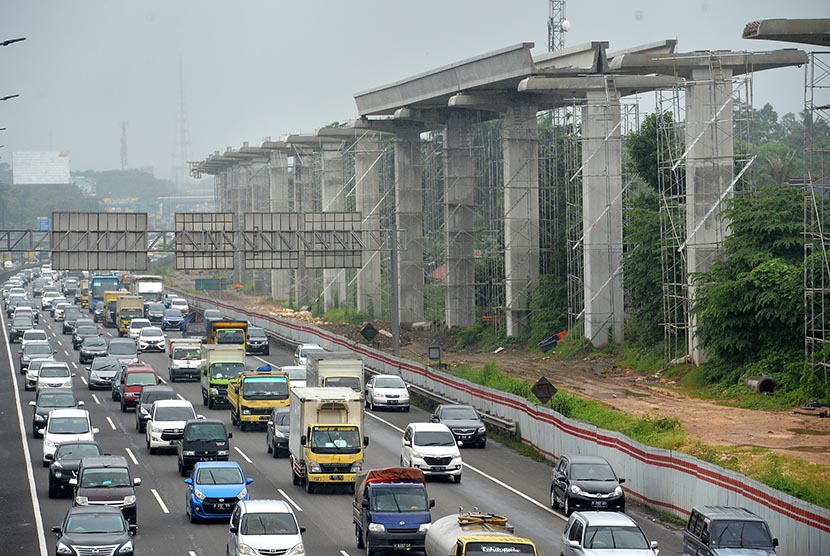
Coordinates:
667 46
361 126
803 31
367 199
333 197
278 174
409 212
459 219
588 57
683 64
433 87
602 217
709 172
520 143
578 87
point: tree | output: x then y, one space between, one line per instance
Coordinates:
654 141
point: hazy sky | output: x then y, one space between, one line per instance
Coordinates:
268 68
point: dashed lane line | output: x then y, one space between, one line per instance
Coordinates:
132 456
241 453
97 401
160 501
290 501
112 425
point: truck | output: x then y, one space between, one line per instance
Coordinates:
127 308
219 365
100 283
391 510
150 288
226 331
325 437
475 533
84 293
110 298
183 359
335 369
253 395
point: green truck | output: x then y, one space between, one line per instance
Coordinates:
220 364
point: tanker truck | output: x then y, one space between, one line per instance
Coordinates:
475 533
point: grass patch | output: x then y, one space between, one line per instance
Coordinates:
694 382
345 315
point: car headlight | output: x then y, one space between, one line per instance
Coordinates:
214 391
81 500
482 429
188 453
199 494
618 491
357 466
128 547
49 443
68 384
423 527
278 433
245 550
377 528
39 418
314 467
246 412
129 500
576 490
156 429
143 410
63 549
222 453
296 550
242 494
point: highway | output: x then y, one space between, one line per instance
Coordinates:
495 479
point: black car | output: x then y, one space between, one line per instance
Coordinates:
18 326
47 400
84 331
66 462
149 394
70 315
106 481
154 312
98 312
257 342
201 440
587 483
92 347
94 530
464 422
276 435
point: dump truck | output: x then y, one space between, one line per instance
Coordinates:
335 369
219 365
391 510
226 331
475 533
127 308
325 440
253 395
183 359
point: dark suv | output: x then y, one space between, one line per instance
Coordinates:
257 342
201 440
585 483
715 530
464 422
106 481
67 461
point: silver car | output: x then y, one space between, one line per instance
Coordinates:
605 534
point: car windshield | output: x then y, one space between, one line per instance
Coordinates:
37 349
76 451
122 348
295 373
151 333
21 321
68 425
48 399
591 472
72 314
305 351
282 419
34 335
344 382
208 432
95 524
268 524
459 414
155 395
86 330
433 438
407 499
48 371
265 388
174 414
219 476
257 333
740 534
155 307
494 547
95 342
226 370
335 439
139 324
105 364
174 313
141 379
191 354
105 477
621 537
389 382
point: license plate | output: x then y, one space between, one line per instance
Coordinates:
223 506
464 437
402 546
599 503
393 402
439 468
336 477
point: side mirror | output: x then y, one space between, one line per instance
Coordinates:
774 542
41 432
364 503
49 457
303 440
433 419
200 416
365 441
573 544
234 530
249 481
56 529
302 529
407 443
188 481
89 369
81 403
621 480
95 430
73 482
271 423
133 528
654 545
33 403
137 482
432 503
230 435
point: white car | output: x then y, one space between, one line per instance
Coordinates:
60 307
33 371
152 338
167 415
54 375
432 448
388 391
65 425
47 297
608 534
180 303
302 351
33 335
135 327
264 527
296 375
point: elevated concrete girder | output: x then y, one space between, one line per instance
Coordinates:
583 58
683 64
577 87
803 31
667 46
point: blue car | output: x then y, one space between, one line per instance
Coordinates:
214 488
172 318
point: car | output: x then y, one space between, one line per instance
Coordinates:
584 482
151 338
302 351
13 303
31 350
135 327
106 481
46 401
18 326
33 370
70 315
464 422
201 440
605 534
257 342
213 314
98 311
33 335
47 297
296 375
154 312
172 318
37 286
715 530
24 310
276 432
149 395
432 448
135 377
66 461
214 488
65 425
54 374
167 416
84 331
94 530
101 372
123 349
264 527
387 391
58 308
92 347
116 384
180 303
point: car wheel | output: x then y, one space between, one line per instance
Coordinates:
295 479
371 403
182 470
268 445
171 377
553 502
123 407
112 395
35 433
457 478
243 426
204 399
54 490
268 351
210 403
566 506
193 518
358 537
482 444
406 409
46 463
309 486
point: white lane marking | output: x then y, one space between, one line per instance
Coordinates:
162 380
83 379
181 397
344 553
94 397
66 352
132 456
76 366
241 453
485 475
112 425
258 358
290 501
191 553
160 501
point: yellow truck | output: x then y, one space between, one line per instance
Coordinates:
85 293
225 331
127 308
110 315
254 394
475 533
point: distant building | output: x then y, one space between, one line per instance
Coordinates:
40 168
87 185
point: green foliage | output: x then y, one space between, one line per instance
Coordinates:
644 145
549 310
129 183
345 314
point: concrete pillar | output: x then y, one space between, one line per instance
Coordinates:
260 202
334 200
367 197
409 195
278 175
238 186
710 168
602 217
304 290
520 144
459 219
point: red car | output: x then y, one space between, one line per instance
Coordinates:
135 377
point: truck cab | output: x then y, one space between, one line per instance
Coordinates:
475 533
219 364
253 395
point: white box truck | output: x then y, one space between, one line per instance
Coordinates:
343 369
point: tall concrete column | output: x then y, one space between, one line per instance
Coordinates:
367 197
602 216
334 200
237 188
459 218
410 220
520 144
304 287
260 202
710 168
278 176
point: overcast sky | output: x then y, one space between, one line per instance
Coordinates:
268 68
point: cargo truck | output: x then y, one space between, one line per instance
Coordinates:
391 510
127 308
110 298
475 533
219 365
335 369
150 288
226 331
253 395
84 291
325 440
183 359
